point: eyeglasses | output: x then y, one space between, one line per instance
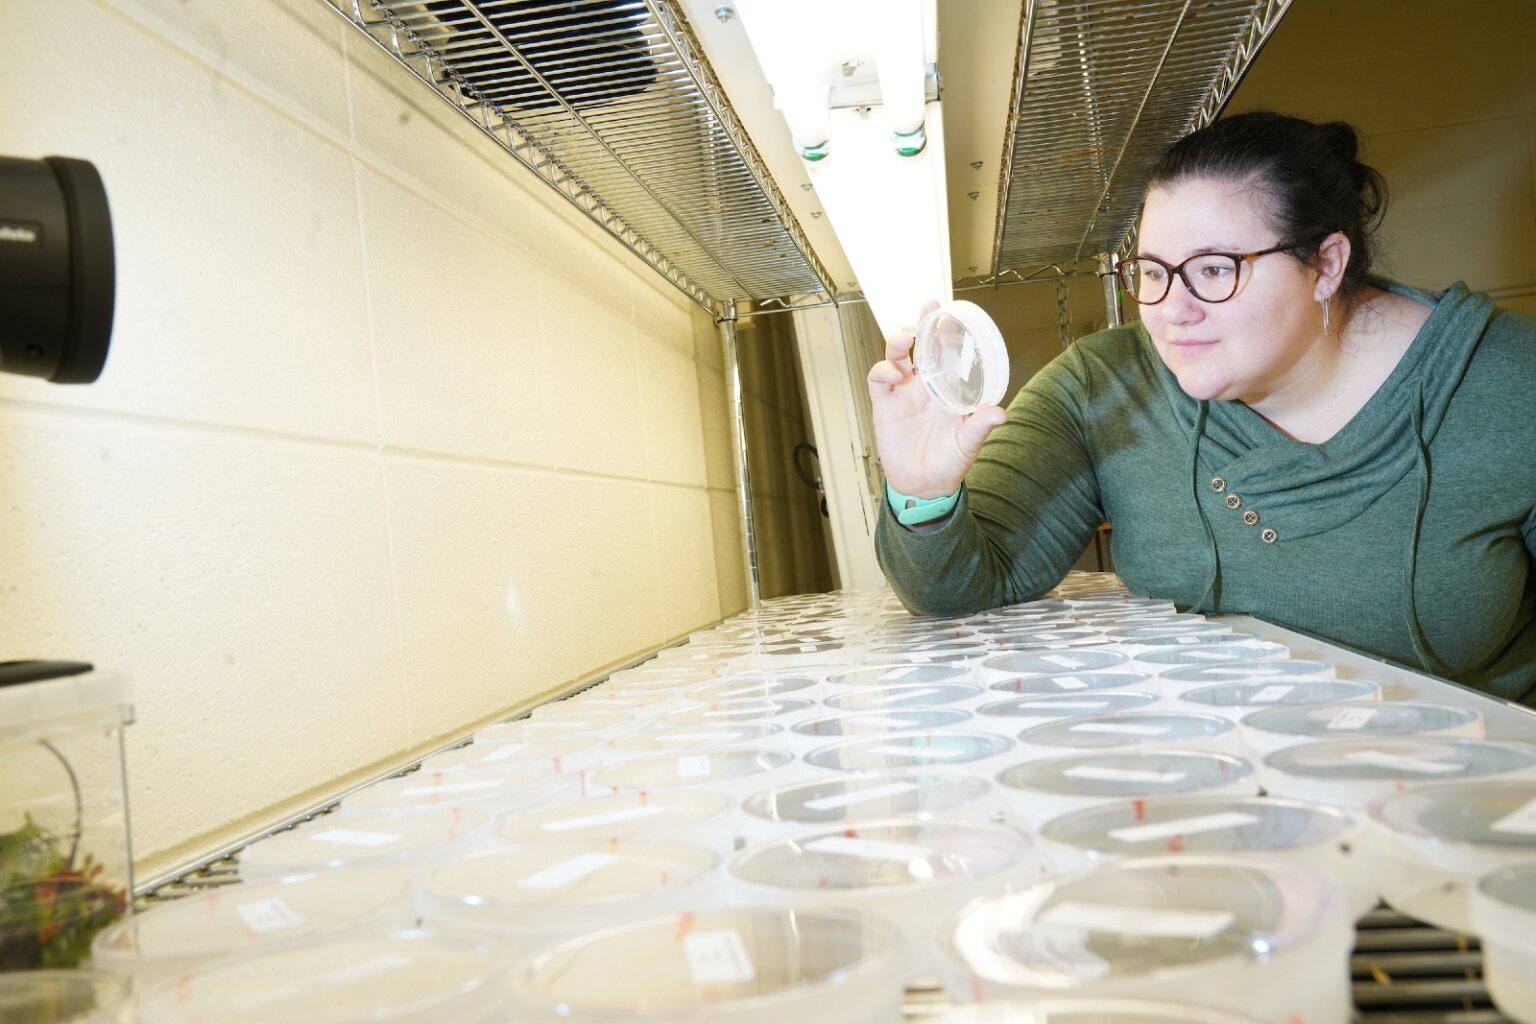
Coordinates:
1209 276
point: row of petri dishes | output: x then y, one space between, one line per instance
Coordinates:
805 811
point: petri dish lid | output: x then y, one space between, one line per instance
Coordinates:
1047 663
1070 683
882 855
1057 638
876 723
1403 760
1144 917
469 787
1245 671
702 769
1300 691
1505 901
741 687
566 721
1334 721
1128 729
1080 705
884 698
885 675
420 977
713 963
864 797
525 885
337 841
908 750
1199 824
749 710
233 919
960 357
1494 813
1164 630
674 738
548 751
1127 775
613 816
1205 648
1085 1011
64 997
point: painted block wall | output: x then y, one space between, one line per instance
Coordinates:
391 441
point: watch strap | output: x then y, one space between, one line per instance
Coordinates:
912 511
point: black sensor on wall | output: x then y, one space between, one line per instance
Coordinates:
57 272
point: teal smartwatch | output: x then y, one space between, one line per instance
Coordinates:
912 511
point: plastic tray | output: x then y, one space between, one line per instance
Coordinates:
1037 791
1353 773
397 842
1504 915
839 799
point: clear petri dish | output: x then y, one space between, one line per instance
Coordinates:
414 977
732 771
877 723
1234 700
1037 791
487 789
896 698
750 710
837 800
1163 653
672 739
1059 638
695 816
744 687
746 966
1135 634
392 841
1050 663
1132 730
909 750
553 720
65 997
1325 840
1075 683
534 895
640 702
914 874
960 357
1270 729
1016 713
1504 917
1185 677
560 753
238 920
1229 933
1353 773
1086 1011
887 675
1433 844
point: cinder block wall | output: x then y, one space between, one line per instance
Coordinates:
391 442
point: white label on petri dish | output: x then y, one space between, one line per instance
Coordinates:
1096 774
1139 921
606 818
906 673
967 354
689 737
923 691
504 752
367 969
1352 718
1188 640
827 803
452 787
1082 705
1270 694
1119 729
567 871
869 849
355 837
693 765
1202 655
718 958
939 753
1521 822
1417 765
885 721
1063 661
270 915
1069 683
1182 827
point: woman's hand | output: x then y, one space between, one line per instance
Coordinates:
924 448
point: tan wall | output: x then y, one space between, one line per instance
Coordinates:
391 440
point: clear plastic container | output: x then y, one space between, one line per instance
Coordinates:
535 895
1056 638
1321 839
65 997
1175 681
1136 634
65 868
734 771
1239 935
1234 700
414 977
675 739
1504 917
486 789
1085 1011
241 920
1432 844
777 710
914 874
1017 713
745 966
1073 683
1270 729
908 751
1132 730
1353 773
888 675
1163 653
817 732
558 754
1052 663
840 799
392 841
960 357
696 816
898 698
746 687
1037 791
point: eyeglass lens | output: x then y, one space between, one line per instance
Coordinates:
1212 277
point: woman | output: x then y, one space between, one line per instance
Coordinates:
1281 435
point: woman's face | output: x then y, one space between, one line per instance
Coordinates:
1259 341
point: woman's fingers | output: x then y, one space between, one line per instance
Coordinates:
976 428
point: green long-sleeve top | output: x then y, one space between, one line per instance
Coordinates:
1408 535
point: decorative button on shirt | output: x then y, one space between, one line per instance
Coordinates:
1268 536
1250 517
1218 484
1233 501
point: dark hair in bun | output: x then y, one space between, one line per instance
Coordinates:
1306 173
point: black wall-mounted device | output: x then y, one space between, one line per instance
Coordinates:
57 269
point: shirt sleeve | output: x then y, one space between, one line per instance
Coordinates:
1029 507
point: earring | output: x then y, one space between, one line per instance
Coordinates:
1325 303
